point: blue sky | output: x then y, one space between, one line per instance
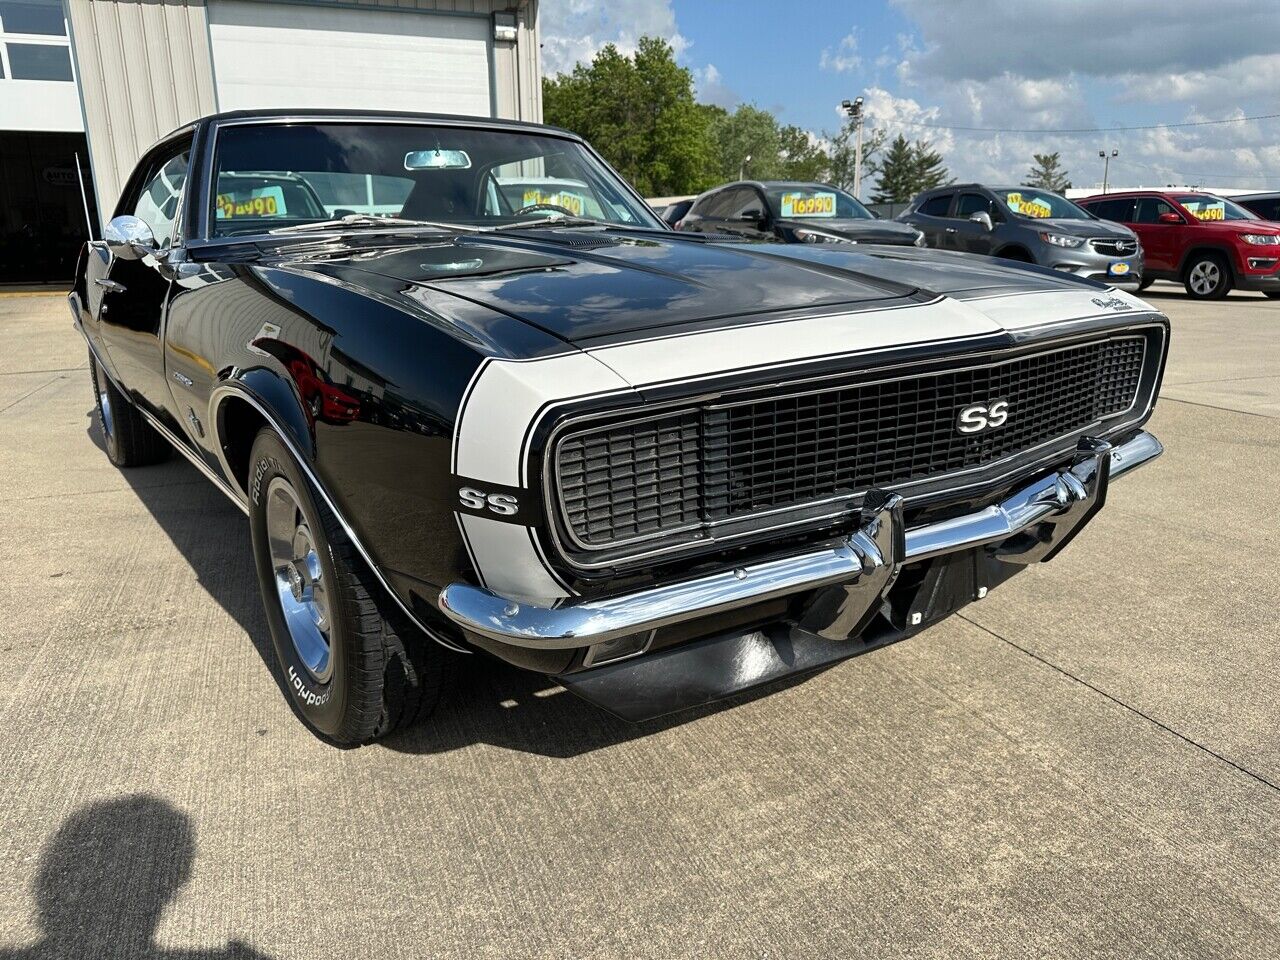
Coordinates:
987 63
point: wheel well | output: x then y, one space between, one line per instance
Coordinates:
1014 252
238 426
1196 252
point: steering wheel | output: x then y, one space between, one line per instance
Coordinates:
534 207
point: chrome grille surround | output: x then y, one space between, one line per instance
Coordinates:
1119 247
693 485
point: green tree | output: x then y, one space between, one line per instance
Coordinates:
1047 173
640 113
907 169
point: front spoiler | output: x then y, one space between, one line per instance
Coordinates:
1030 526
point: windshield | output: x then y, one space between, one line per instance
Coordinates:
804 201
271 176
1203 206
1040 205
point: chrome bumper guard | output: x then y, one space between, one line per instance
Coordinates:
1028 527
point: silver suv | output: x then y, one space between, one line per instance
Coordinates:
1027 224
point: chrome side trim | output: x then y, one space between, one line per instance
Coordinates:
195 460
215 400
867 562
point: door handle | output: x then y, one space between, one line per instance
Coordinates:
110 285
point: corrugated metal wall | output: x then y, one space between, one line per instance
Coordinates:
145 68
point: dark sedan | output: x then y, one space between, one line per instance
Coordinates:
793 213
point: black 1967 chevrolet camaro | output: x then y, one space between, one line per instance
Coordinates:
475 398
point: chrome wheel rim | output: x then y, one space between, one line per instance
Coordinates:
299 579
1205 277
104 403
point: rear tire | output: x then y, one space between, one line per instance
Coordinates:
127 437
355 667
1208 277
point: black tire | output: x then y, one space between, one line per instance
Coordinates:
127 437
1144 283
380 673
1016 254
1271 294
1207 276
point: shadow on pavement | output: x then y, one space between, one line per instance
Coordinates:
105 879
485 700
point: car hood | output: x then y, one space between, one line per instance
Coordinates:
1084 228
584 286
864 231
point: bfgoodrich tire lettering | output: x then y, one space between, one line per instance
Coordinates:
371 672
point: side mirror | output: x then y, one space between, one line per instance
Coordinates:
983 218
1170 218
129 238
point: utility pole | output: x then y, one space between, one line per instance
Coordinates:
742 167
1106 165
854 109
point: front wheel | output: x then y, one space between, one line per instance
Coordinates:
1208 277
355 668
1271 294
1144 283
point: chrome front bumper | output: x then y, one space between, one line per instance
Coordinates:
1029 526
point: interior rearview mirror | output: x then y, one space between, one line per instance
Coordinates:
983 218
437 159
129 238
752 214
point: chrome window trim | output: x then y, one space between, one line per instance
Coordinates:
1058 446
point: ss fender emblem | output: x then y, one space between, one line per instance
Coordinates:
983 416
503 504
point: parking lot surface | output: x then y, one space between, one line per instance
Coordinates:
1085 763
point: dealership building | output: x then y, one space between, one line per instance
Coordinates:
87 85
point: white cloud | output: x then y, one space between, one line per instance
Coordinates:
573 31
711 88
844 57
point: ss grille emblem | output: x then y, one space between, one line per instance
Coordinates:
503 504
982 416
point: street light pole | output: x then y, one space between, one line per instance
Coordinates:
854 109
742 167
1106 165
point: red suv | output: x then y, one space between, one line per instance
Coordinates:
1206 242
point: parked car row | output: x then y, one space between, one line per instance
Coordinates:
1129 240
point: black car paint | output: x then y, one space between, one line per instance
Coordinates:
400 320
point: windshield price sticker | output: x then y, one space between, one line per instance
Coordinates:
573 202
808 205
1035 207
258 202
1217 211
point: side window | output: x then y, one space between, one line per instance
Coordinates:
1150 208
157 202
744 199
1119 211
709 205
971 203
936 206
1266 209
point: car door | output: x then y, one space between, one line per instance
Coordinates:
127 297
964 234
1159 238
931 219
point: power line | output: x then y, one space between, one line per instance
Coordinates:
1076 130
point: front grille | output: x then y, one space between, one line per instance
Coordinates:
1115 248
720 462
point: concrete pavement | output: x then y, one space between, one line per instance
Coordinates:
1085 763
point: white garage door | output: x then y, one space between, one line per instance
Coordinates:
293 55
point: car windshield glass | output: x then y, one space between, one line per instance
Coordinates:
804 201
1040 204
272 176
1205 207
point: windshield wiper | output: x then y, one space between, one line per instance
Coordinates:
369 220
559 220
